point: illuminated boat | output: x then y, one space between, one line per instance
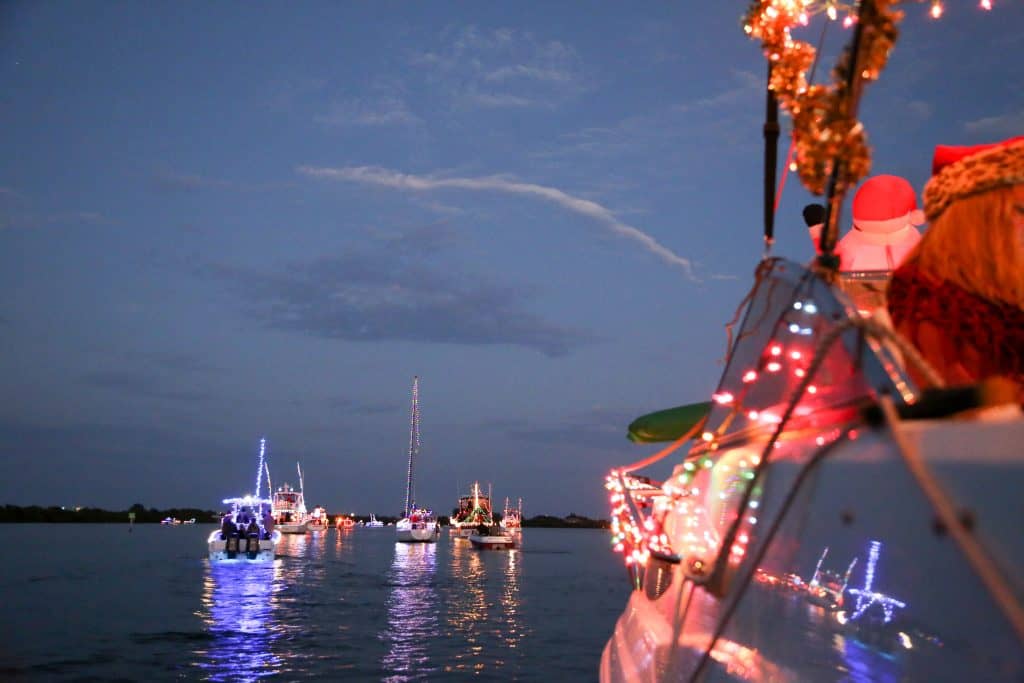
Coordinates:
512 518
374 523
417 525
289 509
817 436
246 532
318 519
344 523
473 510
244 536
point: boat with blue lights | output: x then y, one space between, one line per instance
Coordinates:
246 532
417 525
820 433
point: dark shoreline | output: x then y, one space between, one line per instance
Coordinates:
36 514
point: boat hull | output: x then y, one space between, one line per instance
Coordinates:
427 534
292 528
494 542
240 549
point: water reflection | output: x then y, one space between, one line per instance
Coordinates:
467 607
238 611
513 632
412 613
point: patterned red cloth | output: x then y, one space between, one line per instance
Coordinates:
995 330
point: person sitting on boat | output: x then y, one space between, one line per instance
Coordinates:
227 526
268 523
959 296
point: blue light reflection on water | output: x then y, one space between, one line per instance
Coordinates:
412 606
238 609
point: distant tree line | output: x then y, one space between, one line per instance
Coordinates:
143 515
573 521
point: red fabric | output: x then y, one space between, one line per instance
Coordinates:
994 330
883 197
950 154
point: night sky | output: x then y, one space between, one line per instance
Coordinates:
223 221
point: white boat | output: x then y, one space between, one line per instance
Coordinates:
417 525
246 533
495 537
817 436
290 514
374 523
512 518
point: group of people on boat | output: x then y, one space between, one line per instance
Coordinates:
957 291
247 523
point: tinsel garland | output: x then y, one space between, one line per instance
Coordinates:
825 127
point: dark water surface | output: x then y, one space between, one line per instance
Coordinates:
94 602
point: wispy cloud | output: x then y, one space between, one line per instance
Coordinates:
502 68
1003 125
352 406
745 83
379 111
389 292
370 175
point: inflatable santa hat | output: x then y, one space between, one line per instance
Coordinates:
885 214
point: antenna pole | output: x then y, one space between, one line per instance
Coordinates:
835 193
771 156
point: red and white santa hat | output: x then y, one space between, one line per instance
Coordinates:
885 203
960 172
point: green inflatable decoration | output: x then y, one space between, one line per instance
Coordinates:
667 425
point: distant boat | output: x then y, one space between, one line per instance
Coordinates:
512 518
474 510
374 523
289 508
417 524
318 519
342 522
170 521
246 533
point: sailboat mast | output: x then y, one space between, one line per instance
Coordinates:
414 444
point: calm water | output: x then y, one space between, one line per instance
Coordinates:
94 602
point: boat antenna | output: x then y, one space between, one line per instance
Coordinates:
414 444
828 261
302 489
771 157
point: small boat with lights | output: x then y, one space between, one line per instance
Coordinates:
318 519
246 532
344 523
495 537
374 523
417 525
512 518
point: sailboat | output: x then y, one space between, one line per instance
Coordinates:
417 524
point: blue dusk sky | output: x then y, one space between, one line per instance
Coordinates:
222 221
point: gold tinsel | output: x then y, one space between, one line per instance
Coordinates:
825 128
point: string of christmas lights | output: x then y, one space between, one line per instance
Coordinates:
259 470
414 444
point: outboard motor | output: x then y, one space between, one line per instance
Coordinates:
231 547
